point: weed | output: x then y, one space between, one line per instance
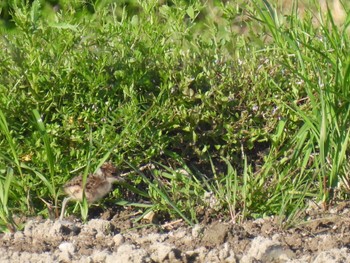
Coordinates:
243 108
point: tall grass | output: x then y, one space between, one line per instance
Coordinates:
5 212
317 56
243 108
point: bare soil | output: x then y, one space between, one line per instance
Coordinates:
319 237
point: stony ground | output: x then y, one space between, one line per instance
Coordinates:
321 237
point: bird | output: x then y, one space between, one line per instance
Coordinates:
97 185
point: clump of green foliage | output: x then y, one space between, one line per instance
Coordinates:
250 105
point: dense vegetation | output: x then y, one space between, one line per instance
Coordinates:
243 110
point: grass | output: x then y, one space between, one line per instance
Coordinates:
244 110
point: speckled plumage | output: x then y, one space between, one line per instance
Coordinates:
97 185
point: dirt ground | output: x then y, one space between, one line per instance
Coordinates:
320 237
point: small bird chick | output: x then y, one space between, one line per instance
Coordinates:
97 185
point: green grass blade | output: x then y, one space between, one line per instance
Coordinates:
158 189
4 129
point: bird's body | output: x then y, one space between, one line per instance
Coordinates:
97 185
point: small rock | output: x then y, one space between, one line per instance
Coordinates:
259 221
57 229
267 250
197 230
333 255
162 251
67 247
18 236
226 254
127 253
175 256
67 250
216 234
202 253
99 256
213 255
118 240
178 234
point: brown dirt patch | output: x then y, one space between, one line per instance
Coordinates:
320 237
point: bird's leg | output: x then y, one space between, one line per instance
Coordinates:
64 203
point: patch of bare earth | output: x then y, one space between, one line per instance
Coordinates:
321 237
